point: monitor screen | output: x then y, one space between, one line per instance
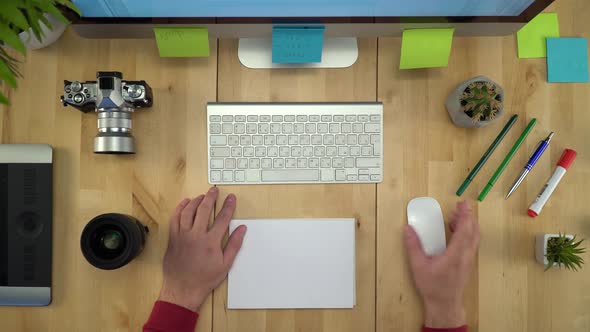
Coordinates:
300 8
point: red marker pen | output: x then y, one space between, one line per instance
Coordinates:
567 158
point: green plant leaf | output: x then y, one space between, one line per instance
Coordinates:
33 17
49 7
9 11
10 38
3 99
7 75
69 5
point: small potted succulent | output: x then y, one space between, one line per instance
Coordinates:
27 24
561 250
476 103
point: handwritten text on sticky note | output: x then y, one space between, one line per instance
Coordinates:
182 41
297 44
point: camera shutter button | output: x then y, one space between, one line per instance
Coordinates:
76 86
78 98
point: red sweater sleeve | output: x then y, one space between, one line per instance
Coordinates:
456 329
169 317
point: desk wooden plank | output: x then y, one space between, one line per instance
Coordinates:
237 83
169 165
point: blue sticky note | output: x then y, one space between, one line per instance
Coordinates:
567 60
293 44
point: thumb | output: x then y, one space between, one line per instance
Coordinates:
234 244
414 248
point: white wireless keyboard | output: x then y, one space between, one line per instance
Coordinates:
254 143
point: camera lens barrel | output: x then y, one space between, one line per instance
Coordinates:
114 133
110 241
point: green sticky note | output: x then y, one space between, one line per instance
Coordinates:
532 38
182 42
426 48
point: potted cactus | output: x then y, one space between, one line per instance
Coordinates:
561 250
476 103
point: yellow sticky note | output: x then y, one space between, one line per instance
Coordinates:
182 41
426 48
532 38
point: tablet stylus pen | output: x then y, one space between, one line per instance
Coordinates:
531 163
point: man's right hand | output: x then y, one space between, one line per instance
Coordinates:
441 280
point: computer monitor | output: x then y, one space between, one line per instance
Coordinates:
254 19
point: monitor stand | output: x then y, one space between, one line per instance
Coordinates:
338 52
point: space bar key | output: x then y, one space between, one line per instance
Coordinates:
300 175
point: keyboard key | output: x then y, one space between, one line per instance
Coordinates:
349 162
340 175
291 163
363 178
296 151
252 175
334 128
215 118
298 128
215 176
338 118
293 139
265 118
372 128
346 128
233 140
245 140
263 128
363 140
343 151
319 151
289 118
239 128
375 139
325 162
313 162
269 140
357 128
314 118
248 151
227 128
254 163
257 140
377 149
363 171
278 163
304 139
216 163
277 118
302 163
350 118
328 139
287 128
295 175
308 151
366 151
363 118
275 128
240 176
316 139
326 118
236 151
375 118
220 152
266 163
242 163
272 151
282 140
251 128
284 151
230 163
351 177
228 118
240 118
228 176
215 128
355 151
252 118
322 128
340 139
351 139
375 177
260 151
302 118
216 140
310 128
331 151
327 174
368 162
337 162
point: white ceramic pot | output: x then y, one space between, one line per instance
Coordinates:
541 247
50 35
455 109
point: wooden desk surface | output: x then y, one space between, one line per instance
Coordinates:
424 155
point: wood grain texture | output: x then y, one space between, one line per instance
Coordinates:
424 155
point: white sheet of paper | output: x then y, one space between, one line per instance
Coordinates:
294 263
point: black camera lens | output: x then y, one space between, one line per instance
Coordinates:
112 240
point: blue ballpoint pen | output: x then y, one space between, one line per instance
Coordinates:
531 163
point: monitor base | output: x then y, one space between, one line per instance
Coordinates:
338 52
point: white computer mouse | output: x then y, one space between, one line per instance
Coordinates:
425 216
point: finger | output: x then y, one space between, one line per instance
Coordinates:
416 254
224 216
453 225
175 219
188 213
234 244
205 209
465 236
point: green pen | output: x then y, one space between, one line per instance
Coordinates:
486 155
506 160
